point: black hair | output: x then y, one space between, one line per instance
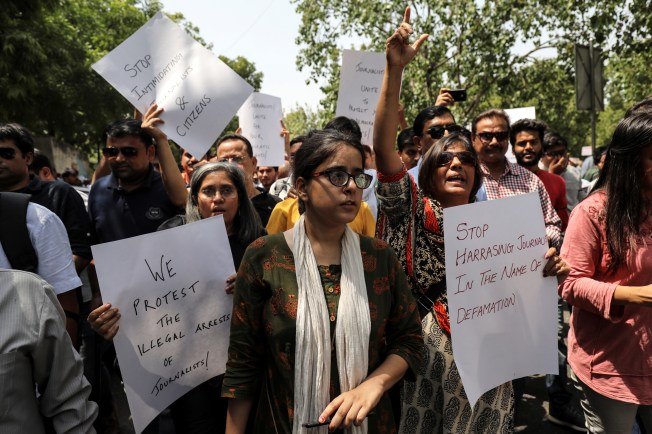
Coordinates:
492 113
345 125
243 139
126 128
247 221
40 161
597 154
405 139
297 139
20 135
436 111
431 160
621 178
527 125
645 105
553 139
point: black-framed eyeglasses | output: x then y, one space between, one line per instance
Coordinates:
438 131
465 157
340 178
7 153
235 159
500 136
555 154
127 151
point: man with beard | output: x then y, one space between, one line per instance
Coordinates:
526 137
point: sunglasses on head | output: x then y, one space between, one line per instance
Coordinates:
438 131
465 157
127 151
7 153
500 136
340 178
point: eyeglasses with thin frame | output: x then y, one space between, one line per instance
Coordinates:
487 137
438 131
126 151
224 192
7 153
340 178
235 159
465 157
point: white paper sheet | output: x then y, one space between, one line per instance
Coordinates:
175 315
260 119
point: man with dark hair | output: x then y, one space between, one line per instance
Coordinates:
16 155
430 125
42 167
593 172
526 137
407 149
267 176
555 160
490 134
135 199
237 149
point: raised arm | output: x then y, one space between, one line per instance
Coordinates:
399 53
173 182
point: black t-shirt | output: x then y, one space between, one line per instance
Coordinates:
264 203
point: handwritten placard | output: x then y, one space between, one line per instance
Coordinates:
260 120
174 329
502 310
361 77
161 63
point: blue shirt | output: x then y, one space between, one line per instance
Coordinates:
117 214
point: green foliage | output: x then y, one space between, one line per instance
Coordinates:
489 48
301 119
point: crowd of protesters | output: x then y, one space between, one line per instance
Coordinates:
340 293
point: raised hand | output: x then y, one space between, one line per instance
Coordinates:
398 50
151 120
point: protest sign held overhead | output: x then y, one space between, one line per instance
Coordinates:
361 77
175 314
502 310
160 63
260 119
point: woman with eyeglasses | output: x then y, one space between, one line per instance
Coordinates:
411 221
323 323
608 245
215 189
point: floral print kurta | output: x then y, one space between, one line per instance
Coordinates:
263 328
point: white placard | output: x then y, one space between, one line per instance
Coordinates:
174 328
503 312
260 119
516 114
161 63
361 77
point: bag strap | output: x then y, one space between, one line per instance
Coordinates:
14 236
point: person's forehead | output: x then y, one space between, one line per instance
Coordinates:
8 143
491 123
437 121
119 142
232 147
527 135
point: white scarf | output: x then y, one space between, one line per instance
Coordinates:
313 339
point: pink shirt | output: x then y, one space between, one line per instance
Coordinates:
609 346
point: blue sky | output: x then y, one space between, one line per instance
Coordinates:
263 31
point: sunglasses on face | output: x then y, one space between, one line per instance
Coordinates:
340 178
438 131
127 151
446 158
556 154
500 136
7 153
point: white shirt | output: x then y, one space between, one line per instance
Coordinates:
50 241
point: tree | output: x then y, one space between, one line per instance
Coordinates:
301 119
